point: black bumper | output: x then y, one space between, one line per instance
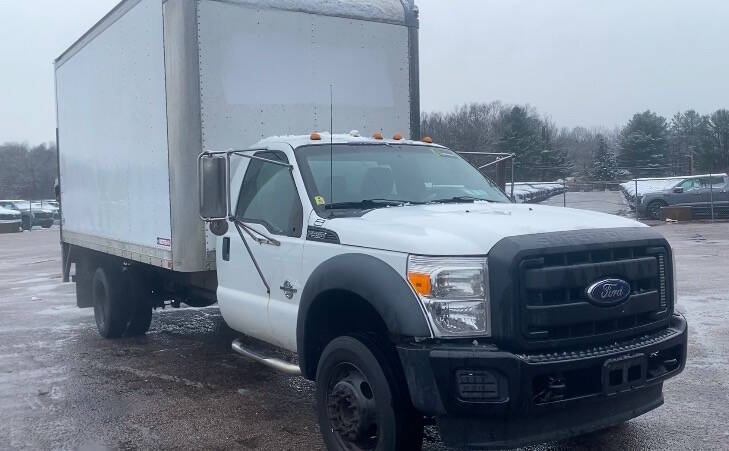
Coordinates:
484 397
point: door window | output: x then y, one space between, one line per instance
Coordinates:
690 184
268 196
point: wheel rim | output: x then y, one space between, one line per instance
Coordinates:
351 409
656 210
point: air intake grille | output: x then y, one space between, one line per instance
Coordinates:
554 301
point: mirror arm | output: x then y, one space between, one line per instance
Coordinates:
251 231
250 253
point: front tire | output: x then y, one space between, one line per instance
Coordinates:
110 310
362 403
654 208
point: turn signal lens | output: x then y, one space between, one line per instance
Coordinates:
315 136
428 140
377 135
420 283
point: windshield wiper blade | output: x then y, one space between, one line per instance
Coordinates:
458 199
368 203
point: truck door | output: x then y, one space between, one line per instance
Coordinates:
691 194
269 206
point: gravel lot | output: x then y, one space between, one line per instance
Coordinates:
64 387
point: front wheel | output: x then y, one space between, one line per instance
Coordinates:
362 404
654 209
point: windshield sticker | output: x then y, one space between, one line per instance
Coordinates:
319 200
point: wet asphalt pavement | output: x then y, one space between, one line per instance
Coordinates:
64 387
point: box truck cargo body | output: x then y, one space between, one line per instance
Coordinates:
156 82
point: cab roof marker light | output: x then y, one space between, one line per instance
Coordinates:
377 135
397 137
428 140
315 136
354 133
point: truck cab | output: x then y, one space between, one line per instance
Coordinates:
410 287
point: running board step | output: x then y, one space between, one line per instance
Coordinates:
271 362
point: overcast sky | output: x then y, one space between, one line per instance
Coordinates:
582 62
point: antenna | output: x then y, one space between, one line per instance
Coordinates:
331 143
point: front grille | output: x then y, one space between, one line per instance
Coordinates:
553 294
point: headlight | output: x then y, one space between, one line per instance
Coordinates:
454 292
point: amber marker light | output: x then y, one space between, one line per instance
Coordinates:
315 136
428 140
397 137
377 135
420 283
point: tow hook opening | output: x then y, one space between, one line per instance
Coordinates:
664 361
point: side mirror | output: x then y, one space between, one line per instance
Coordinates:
678 190
213 175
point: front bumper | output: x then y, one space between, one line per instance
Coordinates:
535 398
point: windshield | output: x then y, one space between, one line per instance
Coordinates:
9 205
361 177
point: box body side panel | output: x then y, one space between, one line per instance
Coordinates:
112 122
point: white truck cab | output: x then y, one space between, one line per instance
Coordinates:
335 246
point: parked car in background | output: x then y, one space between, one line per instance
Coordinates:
50 206
10 220
698 192
32 214
534 192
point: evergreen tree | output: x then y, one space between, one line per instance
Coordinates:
553 159
719 130
521 135
644 144
605 165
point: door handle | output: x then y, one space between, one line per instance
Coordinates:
226 249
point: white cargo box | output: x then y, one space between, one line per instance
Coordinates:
155 82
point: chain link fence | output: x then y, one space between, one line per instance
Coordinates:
704 196
679 196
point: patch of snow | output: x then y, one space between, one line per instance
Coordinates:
380 10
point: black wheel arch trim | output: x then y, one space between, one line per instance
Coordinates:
374 281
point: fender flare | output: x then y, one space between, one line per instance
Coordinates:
374 281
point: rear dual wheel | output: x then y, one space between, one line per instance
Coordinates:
362 402
114 311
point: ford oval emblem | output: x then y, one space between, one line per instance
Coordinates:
608 292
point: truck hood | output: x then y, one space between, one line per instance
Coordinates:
462 229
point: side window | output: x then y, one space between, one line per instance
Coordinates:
690 184
717 182
268 196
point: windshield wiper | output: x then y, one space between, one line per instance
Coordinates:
368 203
458 199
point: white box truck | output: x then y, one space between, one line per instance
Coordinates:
406 283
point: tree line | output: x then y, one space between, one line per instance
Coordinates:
27 172
649 145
